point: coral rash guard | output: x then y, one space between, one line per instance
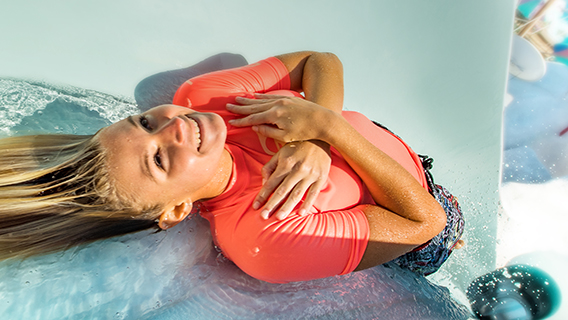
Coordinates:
329 241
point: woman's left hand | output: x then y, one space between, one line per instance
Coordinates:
284 118
297 168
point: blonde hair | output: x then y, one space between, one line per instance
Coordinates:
55 192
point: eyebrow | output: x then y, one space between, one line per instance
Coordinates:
146 167
145 164
131 120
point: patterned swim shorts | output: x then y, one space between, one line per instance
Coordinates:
429 257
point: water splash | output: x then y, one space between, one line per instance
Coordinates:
21 99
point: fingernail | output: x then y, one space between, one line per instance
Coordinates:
263 181
231 121
302 212
255 128
256 205
281 215
264 214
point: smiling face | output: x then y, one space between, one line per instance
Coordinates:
167 155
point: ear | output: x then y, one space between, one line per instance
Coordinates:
175 214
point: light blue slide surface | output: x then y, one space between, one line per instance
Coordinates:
433 71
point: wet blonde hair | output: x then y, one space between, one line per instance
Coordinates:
55 192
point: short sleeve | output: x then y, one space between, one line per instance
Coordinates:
212 91
298 248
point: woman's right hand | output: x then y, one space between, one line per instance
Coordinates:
284 118
298 169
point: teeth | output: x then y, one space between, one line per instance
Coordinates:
197 132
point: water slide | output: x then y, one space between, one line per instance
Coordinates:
435 72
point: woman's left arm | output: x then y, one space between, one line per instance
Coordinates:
319 75
302 167
405 216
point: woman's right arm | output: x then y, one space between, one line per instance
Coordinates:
405 216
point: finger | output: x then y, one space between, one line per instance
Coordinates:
253 101
258 99
271 132
311 196
274 191
269 188
269 182
264 96
263 195
293 199
247 109
269 168
253 119
280 193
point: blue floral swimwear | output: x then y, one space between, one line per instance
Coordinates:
429 257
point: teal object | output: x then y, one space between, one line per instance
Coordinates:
528 7
519 292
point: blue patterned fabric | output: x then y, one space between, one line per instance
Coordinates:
428 258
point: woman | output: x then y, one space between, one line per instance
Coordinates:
154 166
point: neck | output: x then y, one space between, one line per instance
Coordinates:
222 177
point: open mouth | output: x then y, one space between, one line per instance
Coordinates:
197 132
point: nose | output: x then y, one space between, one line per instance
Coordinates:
175 129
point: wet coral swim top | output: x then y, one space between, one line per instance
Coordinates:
329 241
